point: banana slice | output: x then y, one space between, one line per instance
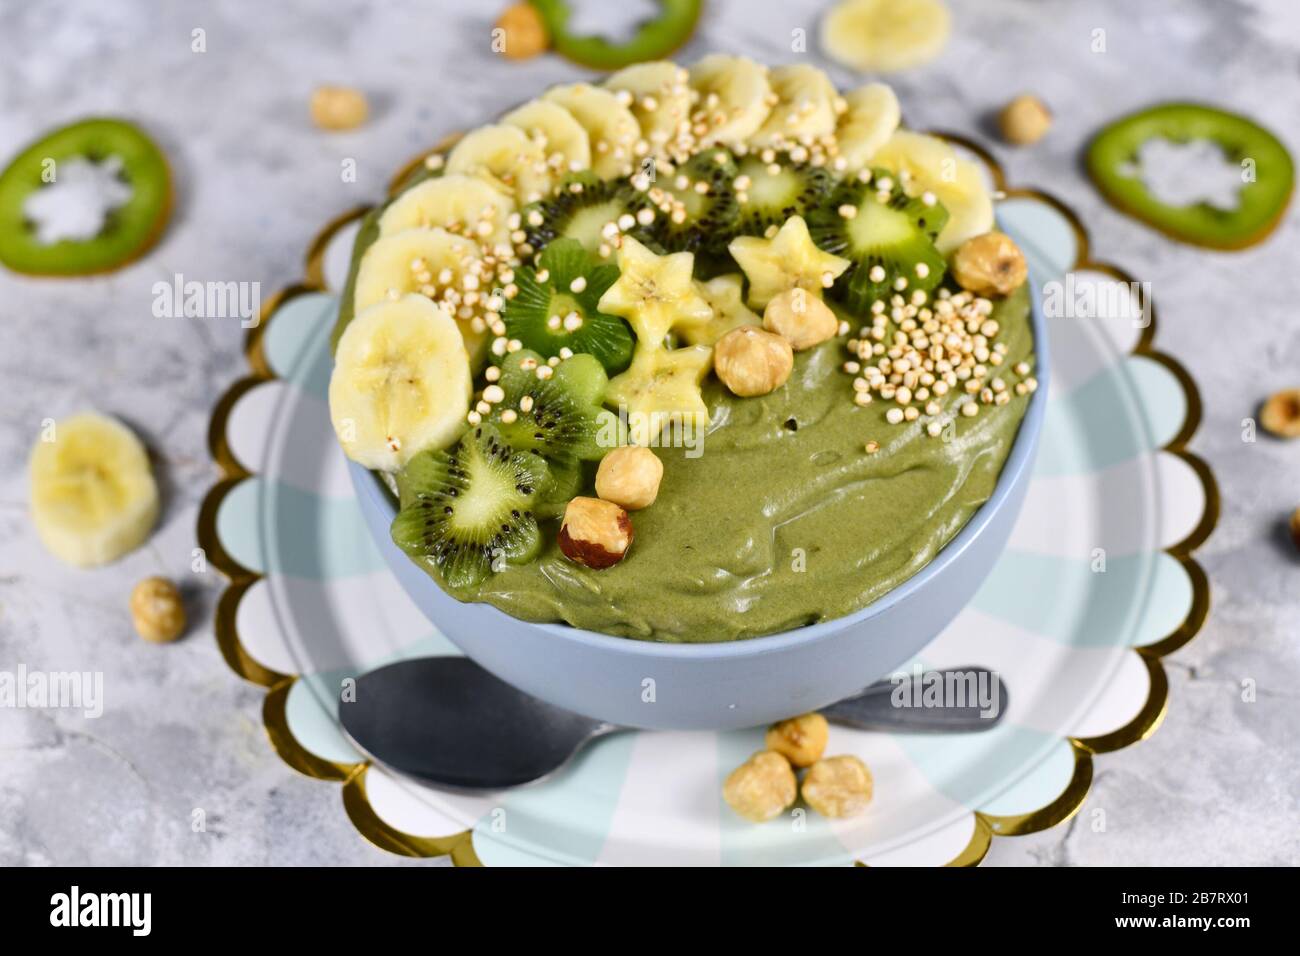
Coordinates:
401 382
933 165
428 262
507 158
881 36
661 98
872 117
735 98
93 495
454 202
612 128
969 204
563 140
805 110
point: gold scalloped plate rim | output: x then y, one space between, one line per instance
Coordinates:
459 846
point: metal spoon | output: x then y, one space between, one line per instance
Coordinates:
448 722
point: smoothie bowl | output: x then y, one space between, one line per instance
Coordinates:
697 399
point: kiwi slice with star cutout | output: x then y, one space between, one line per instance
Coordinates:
556 307
770 193
556 415
654 39
467 512
108 161
578 208
1267 173
887 234
694 206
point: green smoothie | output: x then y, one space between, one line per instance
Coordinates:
784 519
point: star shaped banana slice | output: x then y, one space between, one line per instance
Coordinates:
788 260
661 388
654 292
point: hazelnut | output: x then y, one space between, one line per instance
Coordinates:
1295 527
595 533
157 611
761 787
524 32
752 362
1025 120
989 265
1280 414
800 739
837 786
801 318
629 476
338 107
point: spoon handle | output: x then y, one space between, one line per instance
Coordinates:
953 700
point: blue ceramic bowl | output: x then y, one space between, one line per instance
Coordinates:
740 683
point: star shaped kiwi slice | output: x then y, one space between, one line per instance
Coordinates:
654 293
725 295
662 388
789 260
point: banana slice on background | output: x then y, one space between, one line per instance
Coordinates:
735 97
661 98
454 202
882 36
401 382
92 493
872 116
932 164
558 133
610 125
507 158
805 108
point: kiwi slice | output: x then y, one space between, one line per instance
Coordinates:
465 510
889 237
653 40
569 479
556 307
704 221
116 153
578 208
558 417
1112 159
773 192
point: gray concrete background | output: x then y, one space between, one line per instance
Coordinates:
1218 784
